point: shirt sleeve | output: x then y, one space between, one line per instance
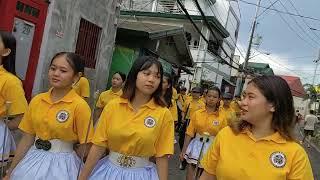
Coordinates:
100 137
99 102
164 144
191 129
85 87
83 123
210 159
301 168
14 93
26 124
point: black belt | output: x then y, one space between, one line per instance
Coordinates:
43 144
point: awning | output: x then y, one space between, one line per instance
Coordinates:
157 31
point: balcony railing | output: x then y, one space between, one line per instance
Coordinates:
163 6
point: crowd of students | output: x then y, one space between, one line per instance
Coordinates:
130 133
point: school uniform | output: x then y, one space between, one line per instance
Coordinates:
229 113
57 127
174 110
10 91
241 156
106 97
189 109
202 122
82 87
132 138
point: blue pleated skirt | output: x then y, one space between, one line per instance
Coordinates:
44 165
6 142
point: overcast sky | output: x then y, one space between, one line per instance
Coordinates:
292 45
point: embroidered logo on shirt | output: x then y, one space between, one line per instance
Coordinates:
149 122
278 159
62 116
216 123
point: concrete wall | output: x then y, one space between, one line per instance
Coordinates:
61 32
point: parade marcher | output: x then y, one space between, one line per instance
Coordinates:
182 96
204 120
133 129
192 105
167 94
82 86
55 123
226 108
115 91
11 92
309 123
261 145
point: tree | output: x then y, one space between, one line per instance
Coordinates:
311 94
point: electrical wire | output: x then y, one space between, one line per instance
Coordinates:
282 12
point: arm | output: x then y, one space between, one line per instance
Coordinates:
14 123
97 114
96 152
24 145
207 176
185 146
162 167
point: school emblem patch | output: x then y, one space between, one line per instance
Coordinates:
278 159
216 123
149 122
62 116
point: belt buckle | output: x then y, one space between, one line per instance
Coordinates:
126 161
43 144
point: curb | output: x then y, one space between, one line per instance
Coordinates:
310 143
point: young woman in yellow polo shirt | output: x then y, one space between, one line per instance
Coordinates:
11 92
206 120
167 94
82 86
55 123
134 128
115 91
261 145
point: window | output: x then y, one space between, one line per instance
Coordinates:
26 9
87 42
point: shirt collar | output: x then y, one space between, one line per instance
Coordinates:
151 104
275 137
67 98
116 93
2 70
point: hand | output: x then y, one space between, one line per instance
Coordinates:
181 156
82 177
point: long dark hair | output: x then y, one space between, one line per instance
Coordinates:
143 63
168 94
277 91
9 42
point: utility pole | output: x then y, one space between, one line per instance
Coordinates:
247 57
314 78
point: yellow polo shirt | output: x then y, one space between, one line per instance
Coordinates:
11 90
82 87
175 94
202 121
67 119
241 156
229 114
174 110
148 132
182 99
106 97
193 107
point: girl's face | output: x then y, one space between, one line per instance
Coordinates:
165 84
116 81
254 105
3 50
148 80
61 75
212 98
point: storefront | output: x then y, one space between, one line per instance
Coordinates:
26 19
